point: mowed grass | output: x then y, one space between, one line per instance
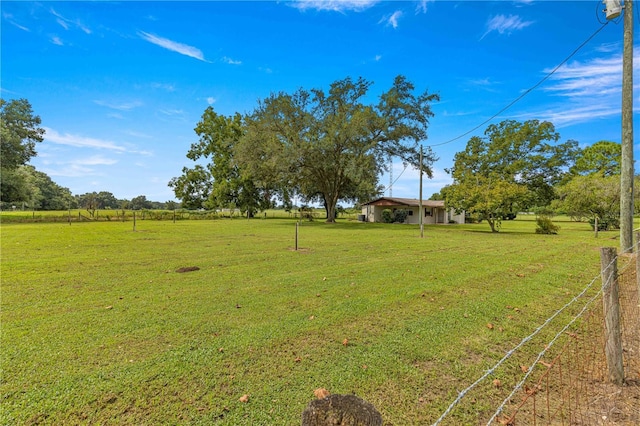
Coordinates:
99 328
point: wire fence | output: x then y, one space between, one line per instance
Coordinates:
560 375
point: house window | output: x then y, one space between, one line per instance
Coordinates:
427 212
410 212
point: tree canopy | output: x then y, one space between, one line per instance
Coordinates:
603 158
319 146
333 146
19 133
515 166
591 196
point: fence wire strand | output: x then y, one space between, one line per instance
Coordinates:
574 388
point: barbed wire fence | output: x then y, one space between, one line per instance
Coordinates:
562 374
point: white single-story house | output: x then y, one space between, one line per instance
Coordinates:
434 211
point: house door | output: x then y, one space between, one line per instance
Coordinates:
441 214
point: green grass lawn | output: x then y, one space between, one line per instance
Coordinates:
99 328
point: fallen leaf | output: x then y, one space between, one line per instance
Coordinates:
109 307
490 326
520 275
466 315
238 306
421 400
516 309
324 278
500 329
497 383
524 368
221 350
312 317
321 393
244 398
345 342
298 359
546 364
364 367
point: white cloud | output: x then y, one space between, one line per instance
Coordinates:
79 167
96 160
573 114
163 86
377 58
505 24
588 90
174 46
138 134
124 106
65 22
68 139
393 19
334 5
230 61
9 18
211 100
57 41
422 5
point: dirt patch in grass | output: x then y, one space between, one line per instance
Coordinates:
187 269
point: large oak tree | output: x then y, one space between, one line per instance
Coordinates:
334 145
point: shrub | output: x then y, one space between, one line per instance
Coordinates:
544 225
387 216
400 216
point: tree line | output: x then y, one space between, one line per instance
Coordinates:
313 146
22 186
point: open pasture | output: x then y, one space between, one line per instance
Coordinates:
99 328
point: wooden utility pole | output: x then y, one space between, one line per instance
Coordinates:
627 172
611 306
420 203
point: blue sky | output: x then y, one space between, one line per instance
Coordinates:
120 86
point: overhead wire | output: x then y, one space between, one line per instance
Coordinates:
526 92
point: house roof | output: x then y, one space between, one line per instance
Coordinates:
407 202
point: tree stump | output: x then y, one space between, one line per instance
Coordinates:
341 410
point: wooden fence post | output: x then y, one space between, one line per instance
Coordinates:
637 250
611 305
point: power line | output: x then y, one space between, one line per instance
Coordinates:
525 93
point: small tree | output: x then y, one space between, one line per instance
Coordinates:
591 197
515 166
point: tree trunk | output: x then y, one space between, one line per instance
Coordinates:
331 209
492 224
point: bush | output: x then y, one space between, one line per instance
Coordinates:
544 225
387 216
400 216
